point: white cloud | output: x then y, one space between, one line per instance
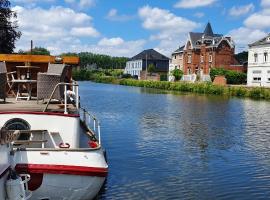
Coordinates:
193 3
50 28
199 14
171 29
265 3
258 20
111 41
84 32
82 3
114 16
244 36
237 11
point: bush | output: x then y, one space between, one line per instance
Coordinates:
163 77
177 73
126 76
232 77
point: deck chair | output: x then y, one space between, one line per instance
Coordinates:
46 82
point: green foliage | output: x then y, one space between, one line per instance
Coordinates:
242 56
163 77
177 73
8 28
36 51
151 68
102 61
232 77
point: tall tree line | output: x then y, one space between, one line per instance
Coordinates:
101 61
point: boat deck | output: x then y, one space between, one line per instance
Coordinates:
11 105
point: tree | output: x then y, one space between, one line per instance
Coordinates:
36 51
151 69
177 73
8 28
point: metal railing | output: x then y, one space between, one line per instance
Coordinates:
75 89
91 123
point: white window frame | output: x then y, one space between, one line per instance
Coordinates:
210 58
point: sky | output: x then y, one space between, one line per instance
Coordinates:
126 27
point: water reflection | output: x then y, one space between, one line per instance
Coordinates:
168 146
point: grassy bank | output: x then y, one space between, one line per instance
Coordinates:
199 88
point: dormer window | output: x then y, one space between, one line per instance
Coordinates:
255 57
265 56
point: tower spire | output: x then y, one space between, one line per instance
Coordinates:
208 31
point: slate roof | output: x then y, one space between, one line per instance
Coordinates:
197 38
151 54
262 41
180 49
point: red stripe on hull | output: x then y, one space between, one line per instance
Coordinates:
61 169
4 171
40 113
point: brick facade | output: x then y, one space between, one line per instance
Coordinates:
206 50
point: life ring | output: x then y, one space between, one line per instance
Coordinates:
64 145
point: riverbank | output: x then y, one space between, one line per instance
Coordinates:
199 88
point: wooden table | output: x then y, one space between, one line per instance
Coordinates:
28 73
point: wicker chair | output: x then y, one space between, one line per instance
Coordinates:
46 82
3 80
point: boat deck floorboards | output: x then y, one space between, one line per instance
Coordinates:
11 105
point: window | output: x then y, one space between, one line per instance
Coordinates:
265 56
201 59
210 58
189 59
18 124
268 79
255 57
189 70
268 72
175 57
257 72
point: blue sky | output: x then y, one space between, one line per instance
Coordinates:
124 28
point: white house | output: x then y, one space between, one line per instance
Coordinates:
134 67
259 63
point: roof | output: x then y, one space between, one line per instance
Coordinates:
180 49
208 30
263 41
150 54
207 37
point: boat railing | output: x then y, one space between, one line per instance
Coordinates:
75 90
91 123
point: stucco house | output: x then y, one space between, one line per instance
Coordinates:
139 63
176 62
259 63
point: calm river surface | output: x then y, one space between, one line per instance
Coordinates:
167 146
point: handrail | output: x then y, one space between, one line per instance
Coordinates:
74 85
87 118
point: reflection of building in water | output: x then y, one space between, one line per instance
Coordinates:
197 122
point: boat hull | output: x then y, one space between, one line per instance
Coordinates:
63 175
68 187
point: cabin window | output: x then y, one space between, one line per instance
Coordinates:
265 56
255 57
189 59
18 124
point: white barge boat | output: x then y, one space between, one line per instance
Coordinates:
55 144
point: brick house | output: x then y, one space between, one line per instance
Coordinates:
205 50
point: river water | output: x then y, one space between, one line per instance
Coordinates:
181 146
